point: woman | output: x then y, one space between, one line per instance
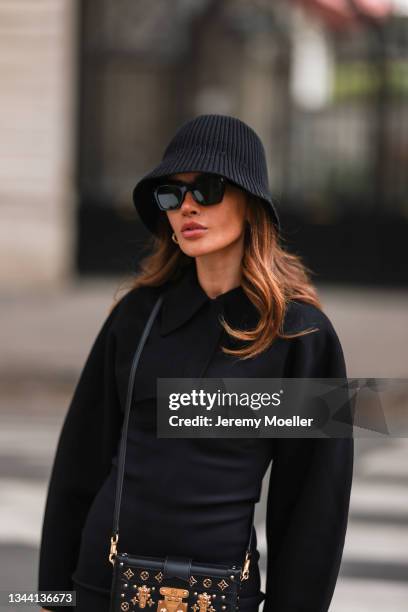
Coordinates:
235 304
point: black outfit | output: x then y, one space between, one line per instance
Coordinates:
194 497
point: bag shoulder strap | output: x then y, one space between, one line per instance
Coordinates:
122 449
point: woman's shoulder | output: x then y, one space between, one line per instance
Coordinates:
135 301
318 353
302 315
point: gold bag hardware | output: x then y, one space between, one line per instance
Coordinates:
143 597
173 600
204 603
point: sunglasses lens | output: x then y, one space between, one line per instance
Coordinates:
209 189
168 196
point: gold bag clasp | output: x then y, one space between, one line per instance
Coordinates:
173 600
245 570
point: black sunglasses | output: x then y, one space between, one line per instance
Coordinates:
206 190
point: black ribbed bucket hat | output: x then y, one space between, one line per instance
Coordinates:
210 143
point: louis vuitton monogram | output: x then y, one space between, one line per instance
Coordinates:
145 588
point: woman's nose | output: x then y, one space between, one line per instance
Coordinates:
189 202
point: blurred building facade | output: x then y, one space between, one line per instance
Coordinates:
95 89
37 140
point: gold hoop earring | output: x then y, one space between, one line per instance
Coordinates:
174 239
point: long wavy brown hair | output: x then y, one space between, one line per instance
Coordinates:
271 277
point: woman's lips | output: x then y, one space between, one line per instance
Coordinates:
195 232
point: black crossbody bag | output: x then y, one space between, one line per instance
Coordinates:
173 583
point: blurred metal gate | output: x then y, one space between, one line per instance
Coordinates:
339 172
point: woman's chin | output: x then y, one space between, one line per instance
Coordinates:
198 248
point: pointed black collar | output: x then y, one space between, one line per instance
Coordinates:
185 296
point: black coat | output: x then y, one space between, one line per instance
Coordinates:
193 497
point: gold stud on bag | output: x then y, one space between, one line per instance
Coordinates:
172 583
